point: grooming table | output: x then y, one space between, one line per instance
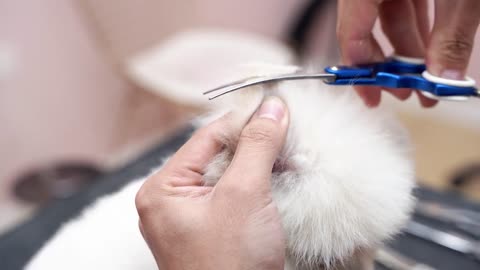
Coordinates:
20 244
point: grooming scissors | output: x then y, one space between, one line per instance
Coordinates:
394 72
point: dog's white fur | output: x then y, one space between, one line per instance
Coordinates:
342 184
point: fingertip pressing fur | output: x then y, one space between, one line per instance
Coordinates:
342 184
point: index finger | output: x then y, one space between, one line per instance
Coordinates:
356 19
355 22
186 166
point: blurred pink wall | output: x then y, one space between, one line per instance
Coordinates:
60 99
128 26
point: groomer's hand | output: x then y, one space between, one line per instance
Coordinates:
447 47
234 225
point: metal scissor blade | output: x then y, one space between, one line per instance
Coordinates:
446 239
228 88
230 84
396 261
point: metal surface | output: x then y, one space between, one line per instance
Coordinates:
467 221
395 261
251 81
392 73
448 240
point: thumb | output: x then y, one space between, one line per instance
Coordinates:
259 145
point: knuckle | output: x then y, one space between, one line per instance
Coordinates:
141 202
456 49
235 196
259 134
144 201
243 195
237 191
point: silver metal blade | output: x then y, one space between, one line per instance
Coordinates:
446 239
228 88
396 261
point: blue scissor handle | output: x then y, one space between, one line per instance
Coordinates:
395 74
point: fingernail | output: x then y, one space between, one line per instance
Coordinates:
452 74
272 108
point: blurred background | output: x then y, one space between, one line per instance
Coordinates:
70 109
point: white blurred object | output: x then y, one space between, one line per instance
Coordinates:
396 261
166 69
8 60
13 213
465 113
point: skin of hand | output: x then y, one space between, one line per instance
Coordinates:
446 48
233 225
